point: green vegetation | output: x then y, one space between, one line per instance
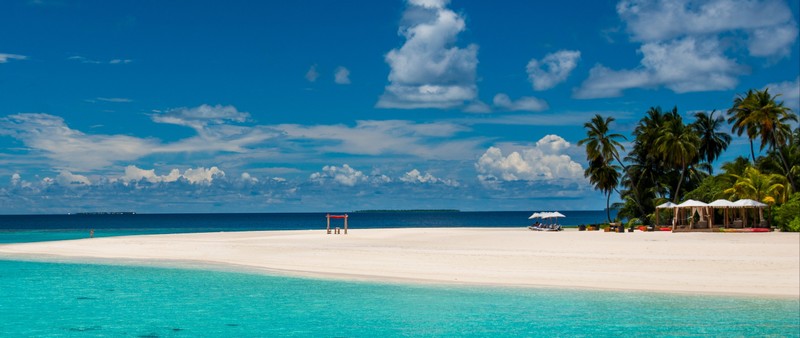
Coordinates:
671 160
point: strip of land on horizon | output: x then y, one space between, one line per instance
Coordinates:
762 264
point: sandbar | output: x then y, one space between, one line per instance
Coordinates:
760 264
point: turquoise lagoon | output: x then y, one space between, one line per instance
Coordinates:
70 299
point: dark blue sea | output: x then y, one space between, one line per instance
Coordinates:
29 228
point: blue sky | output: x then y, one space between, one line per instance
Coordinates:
244 106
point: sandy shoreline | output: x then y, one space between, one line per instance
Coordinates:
766 264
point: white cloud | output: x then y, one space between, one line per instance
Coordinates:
312 74
414 176
114 99
82 59
344 175
522 104
682 65
68 179
50 135
342 76
429 71
4 58
542 162
552 69
426 140
789 91
201 116
199 175
690 46
134 174
202 175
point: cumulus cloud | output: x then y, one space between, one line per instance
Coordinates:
199 175
552 69
542 162
312 74
478 107
416 177
522 104
342 75
429 70
201 116
67 179
4 58
344 175
682 46
789 91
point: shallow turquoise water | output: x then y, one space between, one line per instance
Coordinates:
49 299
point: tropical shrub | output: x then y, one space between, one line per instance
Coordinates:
787 216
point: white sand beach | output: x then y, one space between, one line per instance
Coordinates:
764 264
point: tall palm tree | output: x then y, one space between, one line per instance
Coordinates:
738 118
599 142
678 145
762 117
712 142
605 177
601 147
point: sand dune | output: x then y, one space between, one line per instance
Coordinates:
766 264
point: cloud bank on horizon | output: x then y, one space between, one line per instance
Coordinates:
455 114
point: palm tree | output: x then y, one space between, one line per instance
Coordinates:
598 141
677 144
712 142
605 177
601 147
738 118
764 118
767 188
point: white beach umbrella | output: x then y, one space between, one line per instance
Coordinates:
535 215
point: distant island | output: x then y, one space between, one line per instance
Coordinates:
408 210
105 213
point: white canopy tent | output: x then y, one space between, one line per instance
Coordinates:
725 205
749 204
666 205
696 207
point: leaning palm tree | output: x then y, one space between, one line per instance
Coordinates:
712 142
678 144
599 141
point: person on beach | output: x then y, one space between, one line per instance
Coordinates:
91 233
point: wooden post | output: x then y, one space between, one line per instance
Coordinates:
328 217
345 224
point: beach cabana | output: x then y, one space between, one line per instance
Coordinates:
721 204
667 205
745 204
695 207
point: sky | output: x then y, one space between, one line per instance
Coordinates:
295 106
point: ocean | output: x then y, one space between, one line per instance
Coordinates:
60 299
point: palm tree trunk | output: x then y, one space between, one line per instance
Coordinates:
680 181
608 209
786 168
752 152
